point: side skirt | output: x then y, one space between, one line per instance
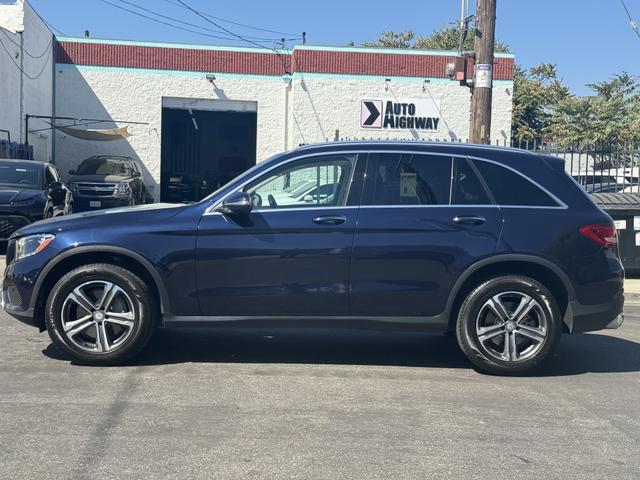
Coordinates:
426 324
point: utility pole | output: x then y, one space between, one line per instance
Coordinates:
480 128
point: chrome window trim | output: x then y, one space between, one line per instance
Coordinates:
300 209
560 204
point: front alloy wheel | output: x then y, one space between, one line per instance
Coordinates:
100 314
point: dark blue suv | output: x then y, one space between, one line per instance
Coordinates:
500 246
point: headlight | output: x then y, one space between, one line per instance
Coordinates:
24 203
32 244
122 189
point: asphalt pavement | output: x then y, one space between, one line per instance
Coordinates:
307 404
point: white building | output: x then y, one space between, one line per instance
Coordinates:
210 112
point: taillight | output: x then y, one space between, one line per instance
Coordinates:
604 235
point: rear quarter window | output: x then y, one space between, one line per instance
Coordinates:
510 188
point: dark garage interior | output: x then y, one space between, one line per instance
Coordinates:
202 150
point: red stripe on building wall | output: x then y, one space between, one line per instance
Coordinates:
181 59
260 63
385 64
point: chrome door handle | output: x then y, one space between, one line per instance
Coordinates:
330 220
469 220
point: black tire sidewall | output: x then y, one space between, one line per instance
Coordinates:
131 284
466 328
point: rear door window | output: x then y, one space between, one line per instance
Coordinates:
468 187
410 179
512 189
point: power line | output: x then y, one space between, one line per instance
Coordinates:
178 3
280 56
44 52
173 19
632 22
54 28
30 77
170 24
221 27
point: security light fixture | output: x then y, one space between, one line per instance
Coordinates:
211 77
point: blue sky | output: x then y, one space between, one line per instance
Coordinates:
589 40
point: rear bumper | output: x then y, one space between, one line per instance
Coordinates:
587 318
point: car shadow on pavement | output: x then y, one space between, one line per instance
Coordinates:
577 354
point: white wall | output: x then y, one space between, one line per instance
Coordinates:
19 95
305 109
130 95
323 104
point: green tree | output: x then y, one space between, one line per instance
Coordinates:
446 38
610 116
390 39
536 94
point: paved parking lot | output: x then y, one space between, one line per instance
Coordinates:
318 404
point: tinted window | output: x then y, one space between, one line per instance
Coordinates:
467 187
510 188
21 174
410 179
104 166
319 182
48 176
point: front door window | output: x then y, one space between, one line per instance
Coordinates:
318 182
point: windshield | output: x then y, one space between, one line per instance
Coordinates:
104 166
20 175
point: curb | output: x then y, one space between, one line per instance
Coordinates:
632 298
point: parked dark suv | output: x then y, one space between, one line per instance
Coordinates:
30 191
107 181
500 246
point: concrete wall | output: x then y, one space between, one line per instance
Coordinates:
291 111
29 43
137 96
322 104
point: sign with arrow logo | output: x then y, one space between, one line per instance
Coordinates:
371 114
398 114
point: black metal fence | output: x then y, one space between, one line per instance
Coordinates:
600 168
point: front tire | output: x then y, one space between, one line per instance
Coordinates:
509 325
100 314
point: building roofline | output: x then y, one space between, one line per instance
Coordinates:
282 51
177 45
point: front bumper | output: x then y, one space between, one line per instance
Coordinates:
82 204
18 288
581 318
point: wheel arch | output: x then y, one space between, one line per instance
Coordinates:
540 269
78 256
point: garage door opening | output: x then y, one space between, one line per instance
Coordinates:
205 143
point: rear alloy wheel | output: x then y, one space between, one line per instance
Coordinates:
509 325
100 314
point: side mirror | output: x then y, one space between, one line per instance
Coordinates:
55 186
72 172
137 174
238 203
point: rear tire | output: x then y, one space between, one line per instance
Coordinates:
100 314
509 325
